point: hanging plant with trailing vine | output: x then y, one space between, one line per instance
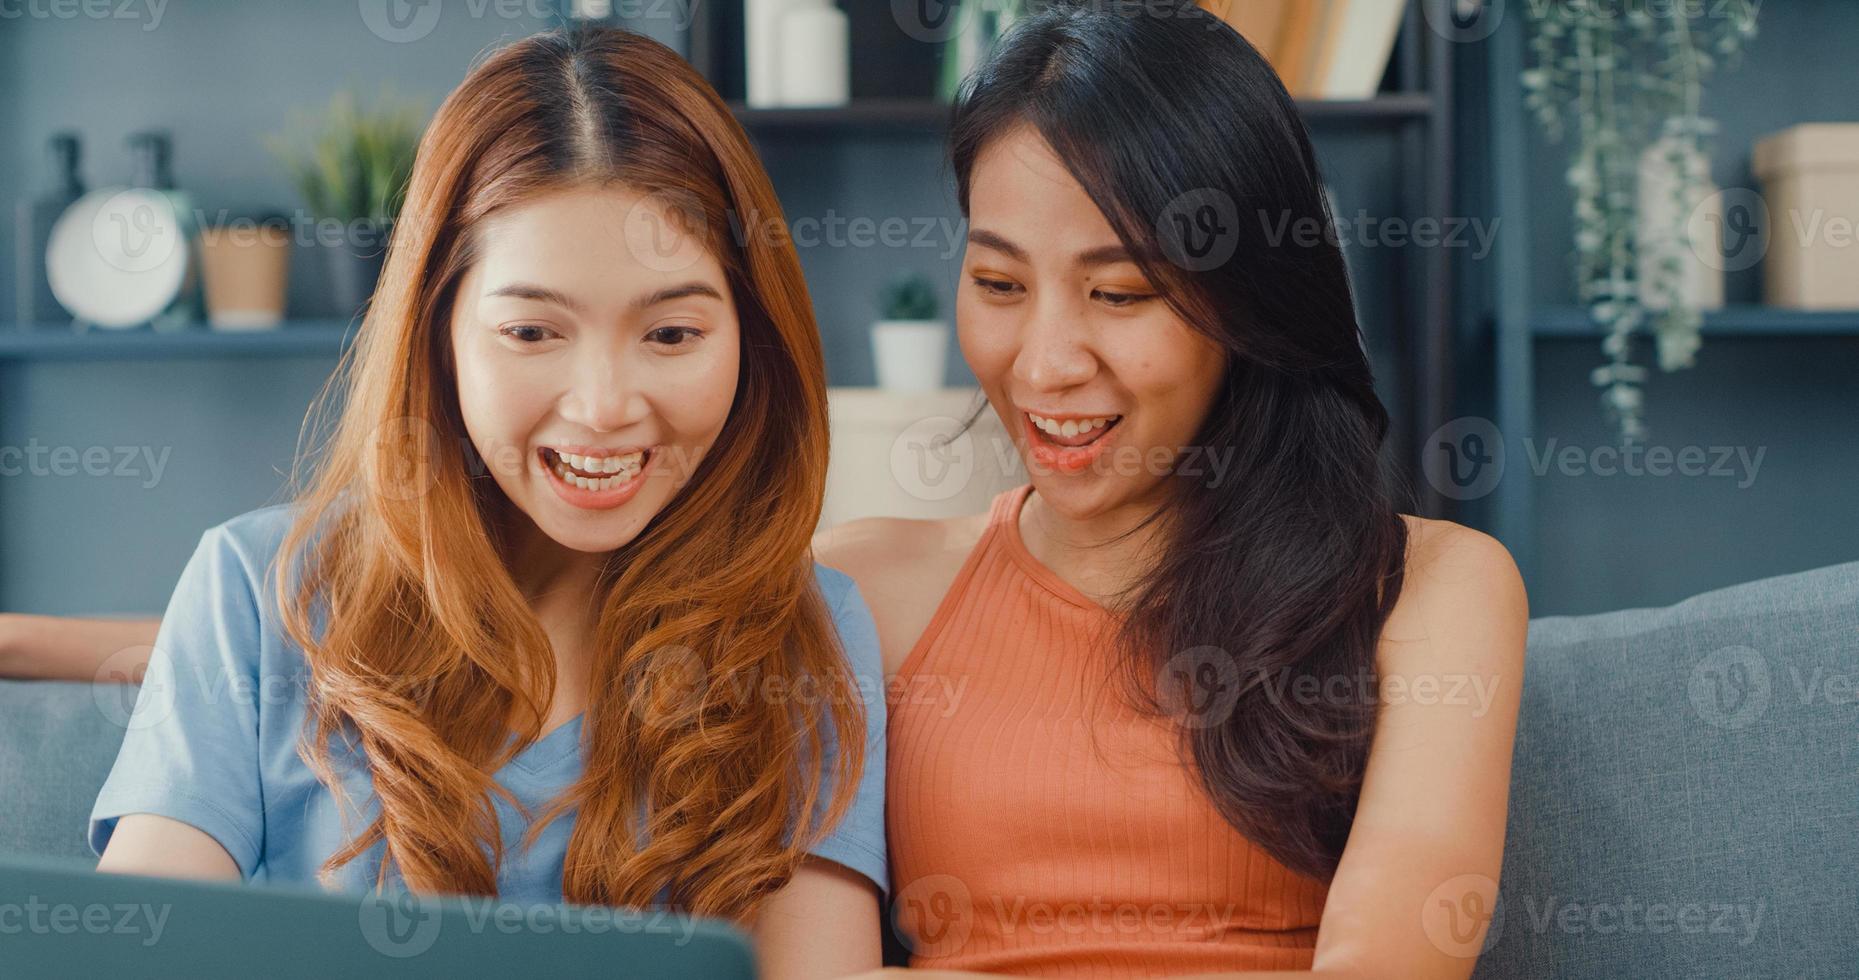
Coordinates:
1623 74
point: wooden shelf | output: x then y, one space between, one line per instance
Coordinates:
930 116
53 342
1731 321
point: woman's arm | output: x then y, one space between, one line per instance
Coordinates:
822 923
61 648
146 844
1414 893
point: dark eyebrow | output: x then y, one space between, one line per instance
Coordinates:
988 239
1105 255
525 290
682 291
1102 255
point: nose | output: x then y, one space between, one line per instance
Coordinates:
1055 350
600 397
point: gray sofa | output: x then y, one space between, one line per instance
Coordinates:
1685 800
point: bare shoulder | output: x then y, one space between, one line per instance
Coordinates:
1461 593
1441 552
903 567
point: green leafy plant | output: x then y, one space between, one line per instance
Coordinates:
351 164
909 297
1625 79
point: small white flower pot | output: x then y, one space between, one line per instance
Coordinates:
911 355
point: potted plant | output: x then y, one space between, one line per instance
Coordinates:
1630 86
910 344
351 168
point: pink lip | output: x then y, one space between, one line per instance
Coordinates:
1069 460
596 499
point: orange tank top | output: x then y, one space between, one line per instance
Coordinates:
1042 825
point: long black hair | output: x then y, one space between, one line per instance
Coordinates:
1270 590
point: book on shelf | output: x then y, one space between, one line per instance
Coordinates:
1322 49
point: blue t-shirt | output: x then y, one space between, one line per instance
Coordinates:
213 739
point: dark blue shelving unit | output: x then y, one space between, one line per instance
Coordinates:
1731 321
56 343
1414 115
1518 317
931 117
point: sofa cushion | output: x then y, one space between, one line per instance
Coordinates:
57 742
1685 799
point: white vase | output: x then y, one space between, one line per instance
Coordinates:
814 69
1682 229
910 354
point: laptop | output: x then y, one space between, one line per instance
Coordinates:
59 917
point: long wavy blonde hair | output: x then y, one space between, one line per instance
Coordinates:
697 788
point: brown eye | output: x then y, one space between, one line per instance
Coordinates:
526 333
1121 300
674 336
995 287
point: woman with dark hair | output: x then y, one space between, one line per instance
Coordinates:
1213 703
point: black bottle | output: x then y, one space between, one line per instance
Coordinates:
150 152
34 304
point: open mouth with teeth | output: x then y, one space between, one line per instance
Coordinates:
1070 445
1073 433
595 474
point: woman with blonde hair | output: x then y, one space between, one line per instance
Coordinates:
543 622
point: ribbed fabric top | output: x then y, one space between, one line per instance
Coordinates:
1039 823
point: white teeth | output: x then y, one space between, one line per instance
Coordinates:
623 468
1070 427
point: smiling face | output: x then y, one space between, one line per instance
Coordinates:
1098 379
596 360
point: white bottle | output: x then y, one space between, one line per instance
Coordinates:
815 69
762 49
